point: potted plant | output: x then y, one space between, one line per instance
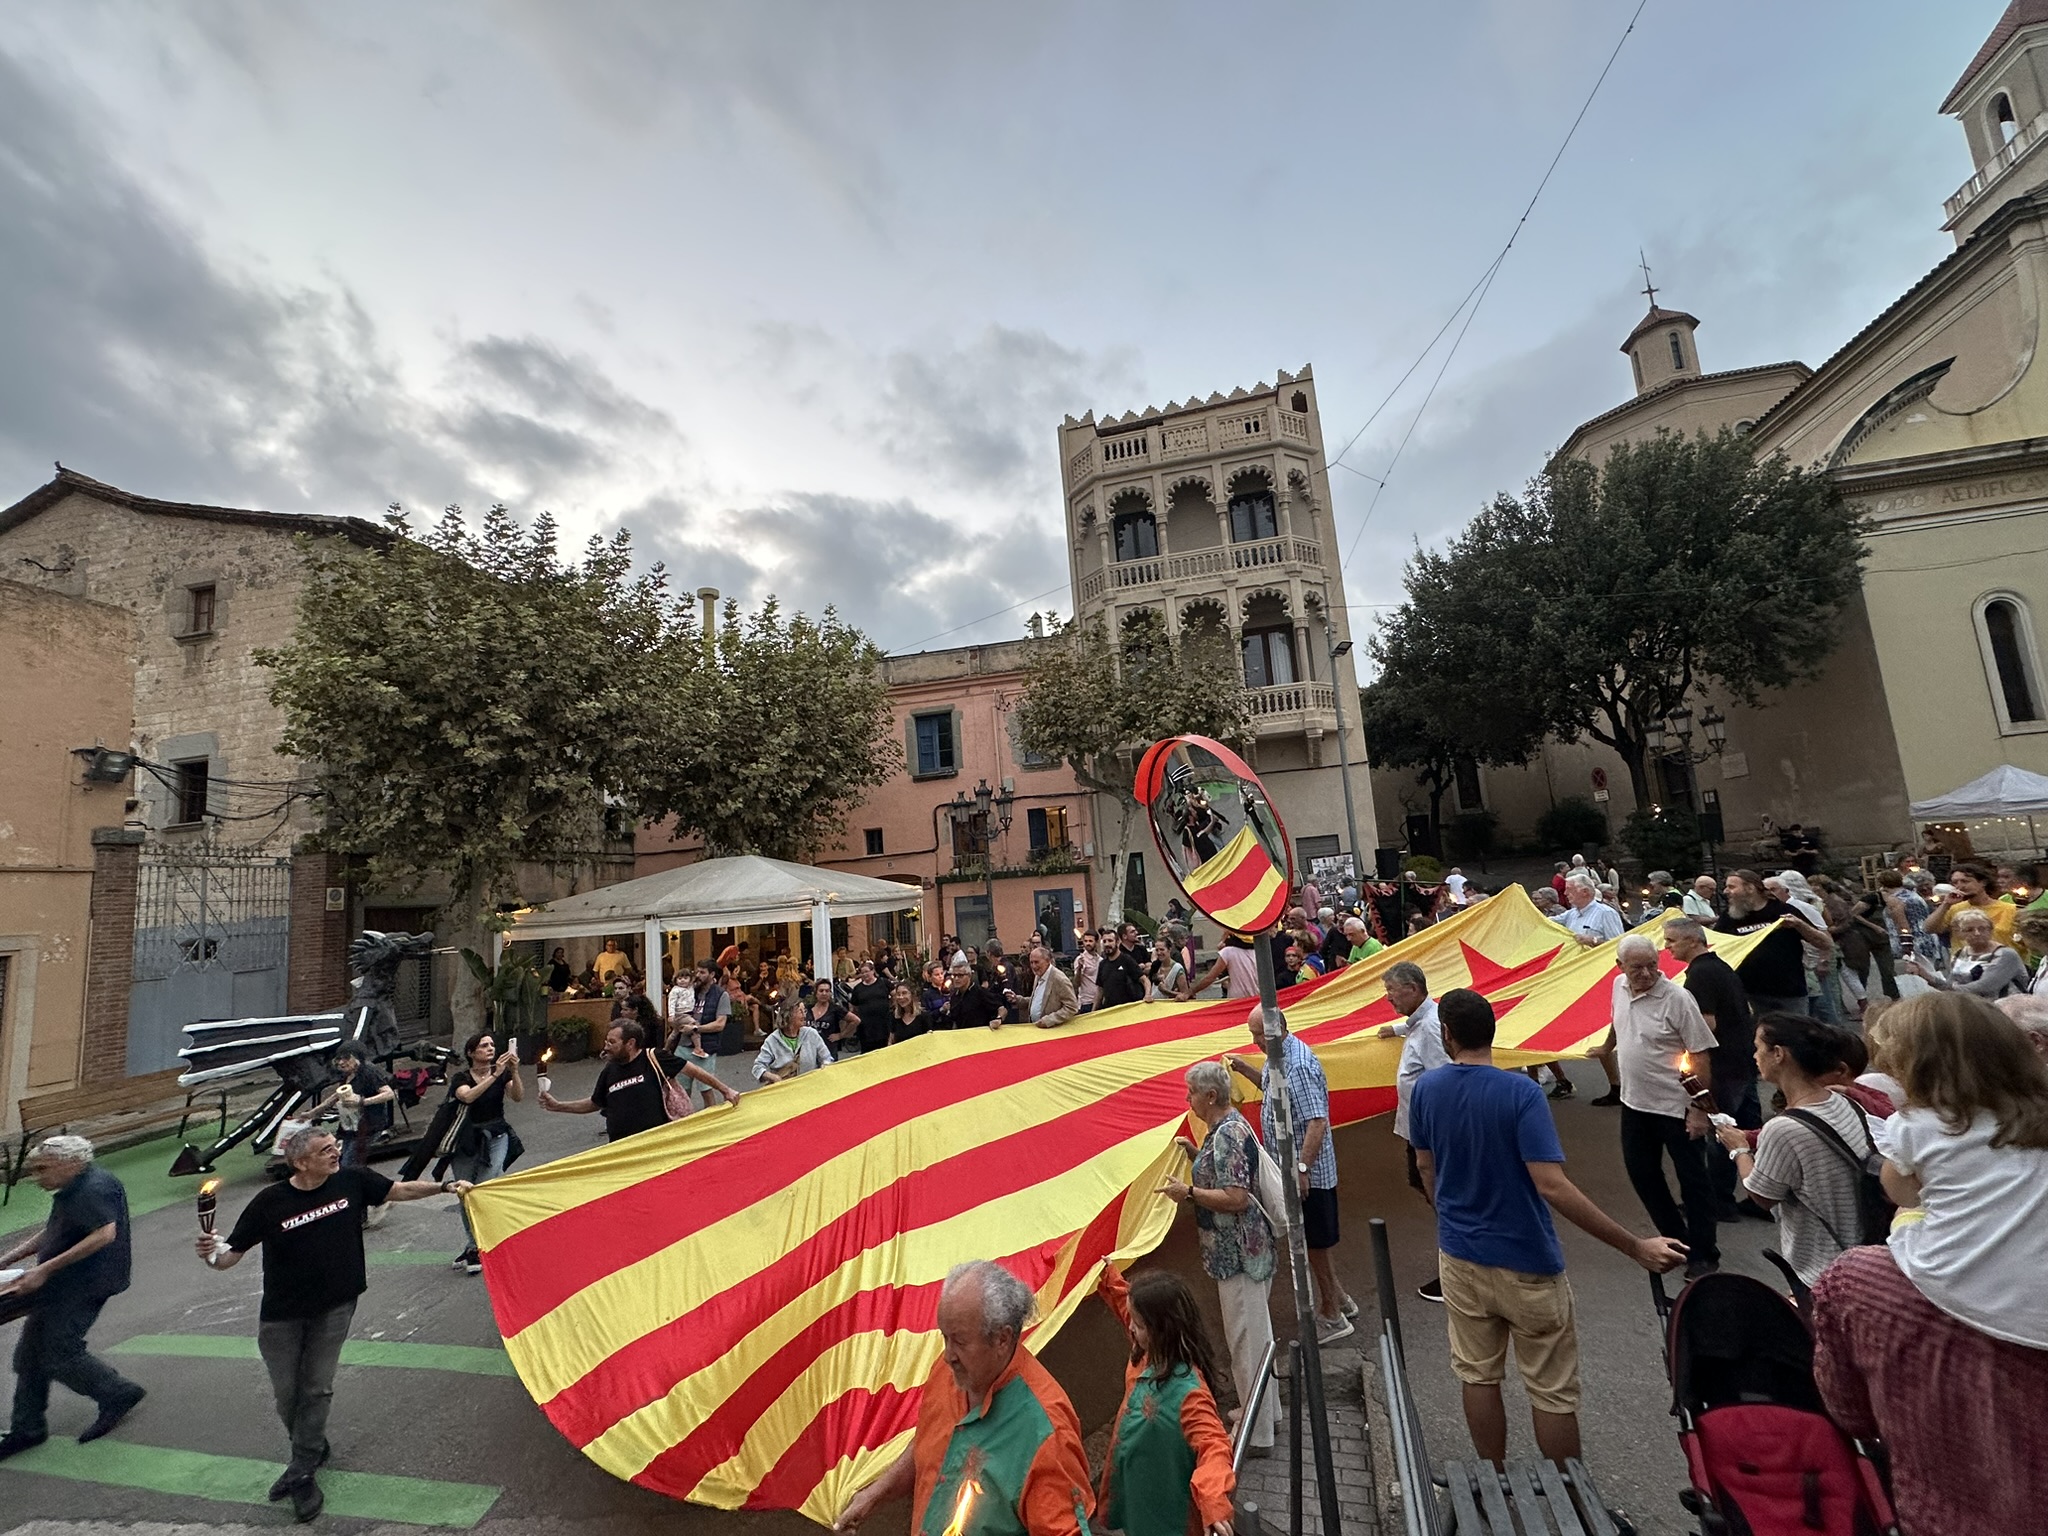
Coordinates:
518 996
568 1037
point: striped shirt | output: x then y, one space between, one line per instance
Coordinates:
1308 1098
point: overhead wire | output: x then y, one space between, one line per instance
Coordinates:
1469 306
971 623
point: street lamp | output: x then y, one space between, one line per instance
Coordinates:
1657 736
1338 648
980 817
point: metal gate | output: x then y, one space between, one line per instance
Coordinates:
212 930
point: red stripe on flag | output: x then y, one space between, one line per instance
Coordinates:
864 1416
1234 884
1348 1106
827 1439
541 1266
650 1366
1579 1018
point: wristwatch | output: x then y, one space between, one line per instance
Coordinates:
1301 1167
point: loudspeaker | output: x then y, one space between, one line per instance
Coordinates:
1386 863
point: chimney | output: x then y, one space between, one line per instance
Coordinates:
708 597
1036 626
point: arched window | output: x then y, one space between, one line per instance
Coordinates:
2003 124
1677 350
1137 535
1300 403
1251 516
2005 632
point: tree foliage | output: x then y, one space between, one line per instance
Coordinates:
473 702
1095 703
776 737
1603 598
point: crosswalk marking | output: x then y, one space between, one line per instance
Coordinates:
466 1358
243 1480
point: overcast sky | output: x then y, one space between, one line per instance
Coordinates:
800 292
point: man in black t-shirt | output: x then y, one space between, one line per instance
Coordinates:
628 1088
1725 1006
1773 974
81 1259
1121 976
310 1227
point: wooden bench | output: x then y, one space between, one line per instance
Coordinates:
116 1110
1482 1500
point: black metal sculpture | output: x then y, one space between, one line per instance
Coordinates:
298 1047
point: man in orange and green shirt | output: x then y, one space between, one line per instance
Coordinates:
991 1416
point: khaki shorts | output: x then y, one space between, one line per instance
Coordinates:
1486 1307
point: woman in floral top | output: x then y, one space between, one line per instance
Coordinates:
1237 1242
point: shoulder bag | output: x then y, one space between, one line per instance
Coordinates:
675 1098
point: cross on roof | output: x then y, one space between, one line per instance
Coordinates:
1649 288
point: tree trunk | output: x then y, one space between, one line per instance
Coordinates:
1636 759
459 925
1121 873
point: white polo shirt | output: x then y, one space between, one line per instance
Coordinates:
1650 1033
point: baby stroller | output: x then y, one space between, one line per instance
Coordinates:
1763 1455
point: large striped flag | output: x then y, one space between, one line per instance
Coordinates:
1237 885
739 1309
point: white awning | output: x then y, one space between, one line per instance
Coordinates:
2004 791
714 893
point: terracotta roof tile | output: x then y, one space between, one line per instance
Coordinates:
2021 13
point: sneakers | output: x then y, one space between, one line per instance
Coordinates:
1607 1100
1432 1289
111 1414
1699 1267
1330 1330
1349 1308
470 1262
307 1499
700 1053
13 1443
292 1475
1563 1089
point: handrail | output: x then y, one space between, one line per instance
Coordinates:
1249 1409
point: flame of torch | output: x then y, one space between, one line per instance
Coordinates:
962 1508
209 1205
547 1055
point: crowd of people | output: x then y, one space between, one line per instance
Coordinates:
1897 1137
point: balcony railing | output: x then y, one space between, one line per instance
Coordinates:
1292 699
2009 155
1200 565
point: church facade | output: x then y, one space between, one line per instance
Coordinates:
1933 420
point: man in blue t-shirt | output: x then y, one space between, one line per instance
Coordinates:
1492 1166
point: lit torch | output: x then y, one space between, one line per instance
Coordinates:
209 1208
962 1508
546 1056
1694 1088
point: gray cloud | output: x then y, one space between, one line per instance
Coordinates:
902 573
136 356
983 414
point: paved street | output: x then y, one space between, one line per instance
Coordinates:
431 1428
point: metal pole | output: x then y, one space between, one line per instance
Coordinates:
1294 1509
1262 1380
1308 1380
1344 759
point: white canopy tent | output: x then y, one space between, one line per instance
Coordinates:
2004 792
715 893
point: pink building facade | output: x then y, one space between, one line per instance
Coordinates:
968 873
1024 864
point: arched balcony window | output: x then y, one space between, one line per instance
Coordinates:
1252 518
1137 535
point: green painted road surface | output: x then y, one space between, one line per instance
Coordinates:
466 1358
243 1480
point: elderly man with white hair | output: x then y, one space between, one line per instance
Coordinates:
991 1414
2030 1012
78 1261
310 1228
1657 1025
